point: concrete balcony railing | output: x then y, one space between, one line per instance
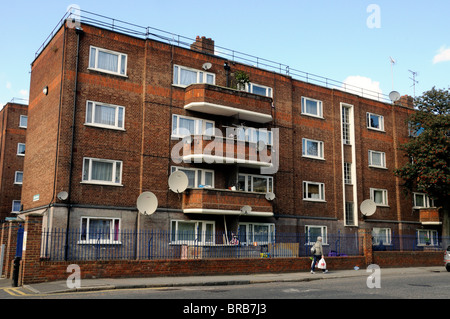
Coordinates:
225 202
217 100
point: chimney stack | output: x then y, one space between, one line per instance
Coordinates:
203 44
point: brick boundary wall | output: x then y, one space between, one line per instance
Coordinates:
35 270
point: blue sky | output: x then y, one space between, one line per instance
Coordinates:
344 40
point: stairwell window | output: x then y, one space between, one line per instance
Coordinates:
108 61
184 76
102 171
105 115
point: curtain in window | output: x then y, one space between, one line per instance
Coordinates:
99 229
187 77
188 125
102 171
376 159
107 61
313 191
105 115
311 107
378 197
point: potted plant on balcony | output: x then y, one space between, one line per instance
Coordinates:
241 79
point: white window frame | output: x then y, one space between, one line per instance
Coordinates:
319 104
249 87
383 159
199 235
202 76
252 236
200 126
114 237
199 182
19 152
89 179
385 202
16 175
254 135
119 55
323 233
431 234
14 203
248 182
428 202
384 234
119 124
321 191
380 121
348 173
23 118
320 150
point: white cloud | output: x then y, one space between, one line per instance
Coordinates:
362 86
8 85
23 93
443 55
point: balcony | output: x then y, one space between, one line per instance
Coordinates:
228 102
220 150
430 216
225 202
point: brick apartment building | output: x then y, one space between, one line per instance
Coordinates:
13 117
109 109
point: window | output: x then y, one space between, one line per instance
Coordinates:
254 135
184 126
18 178
379 196
312 232
422 200
108 61
313 191
197 177
427 237
102 171
100 230
20 149
311 107
192 232
255 183
349 214
377 159
16 206
346 125
381 236
105 115
348 173
261 233
375 122
23 122
259 89
313 149
184 76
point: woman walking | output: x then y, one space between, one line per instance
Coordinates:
317 254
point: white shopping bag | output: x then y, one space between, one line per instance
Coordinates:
322 264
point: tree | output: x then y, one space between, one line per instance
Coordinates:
428 171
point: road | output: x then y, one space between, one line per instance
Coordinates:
419 285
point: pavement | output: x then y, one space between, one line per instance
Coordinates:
99 284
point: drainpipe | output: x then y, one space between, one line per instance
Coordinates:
79 32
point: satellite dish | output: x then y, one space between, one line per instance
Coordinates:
394 96
147 203
270 196
206 66
246 209
368 207
62 195
178 182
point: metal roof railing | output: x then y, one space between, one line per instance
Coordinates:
135 30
